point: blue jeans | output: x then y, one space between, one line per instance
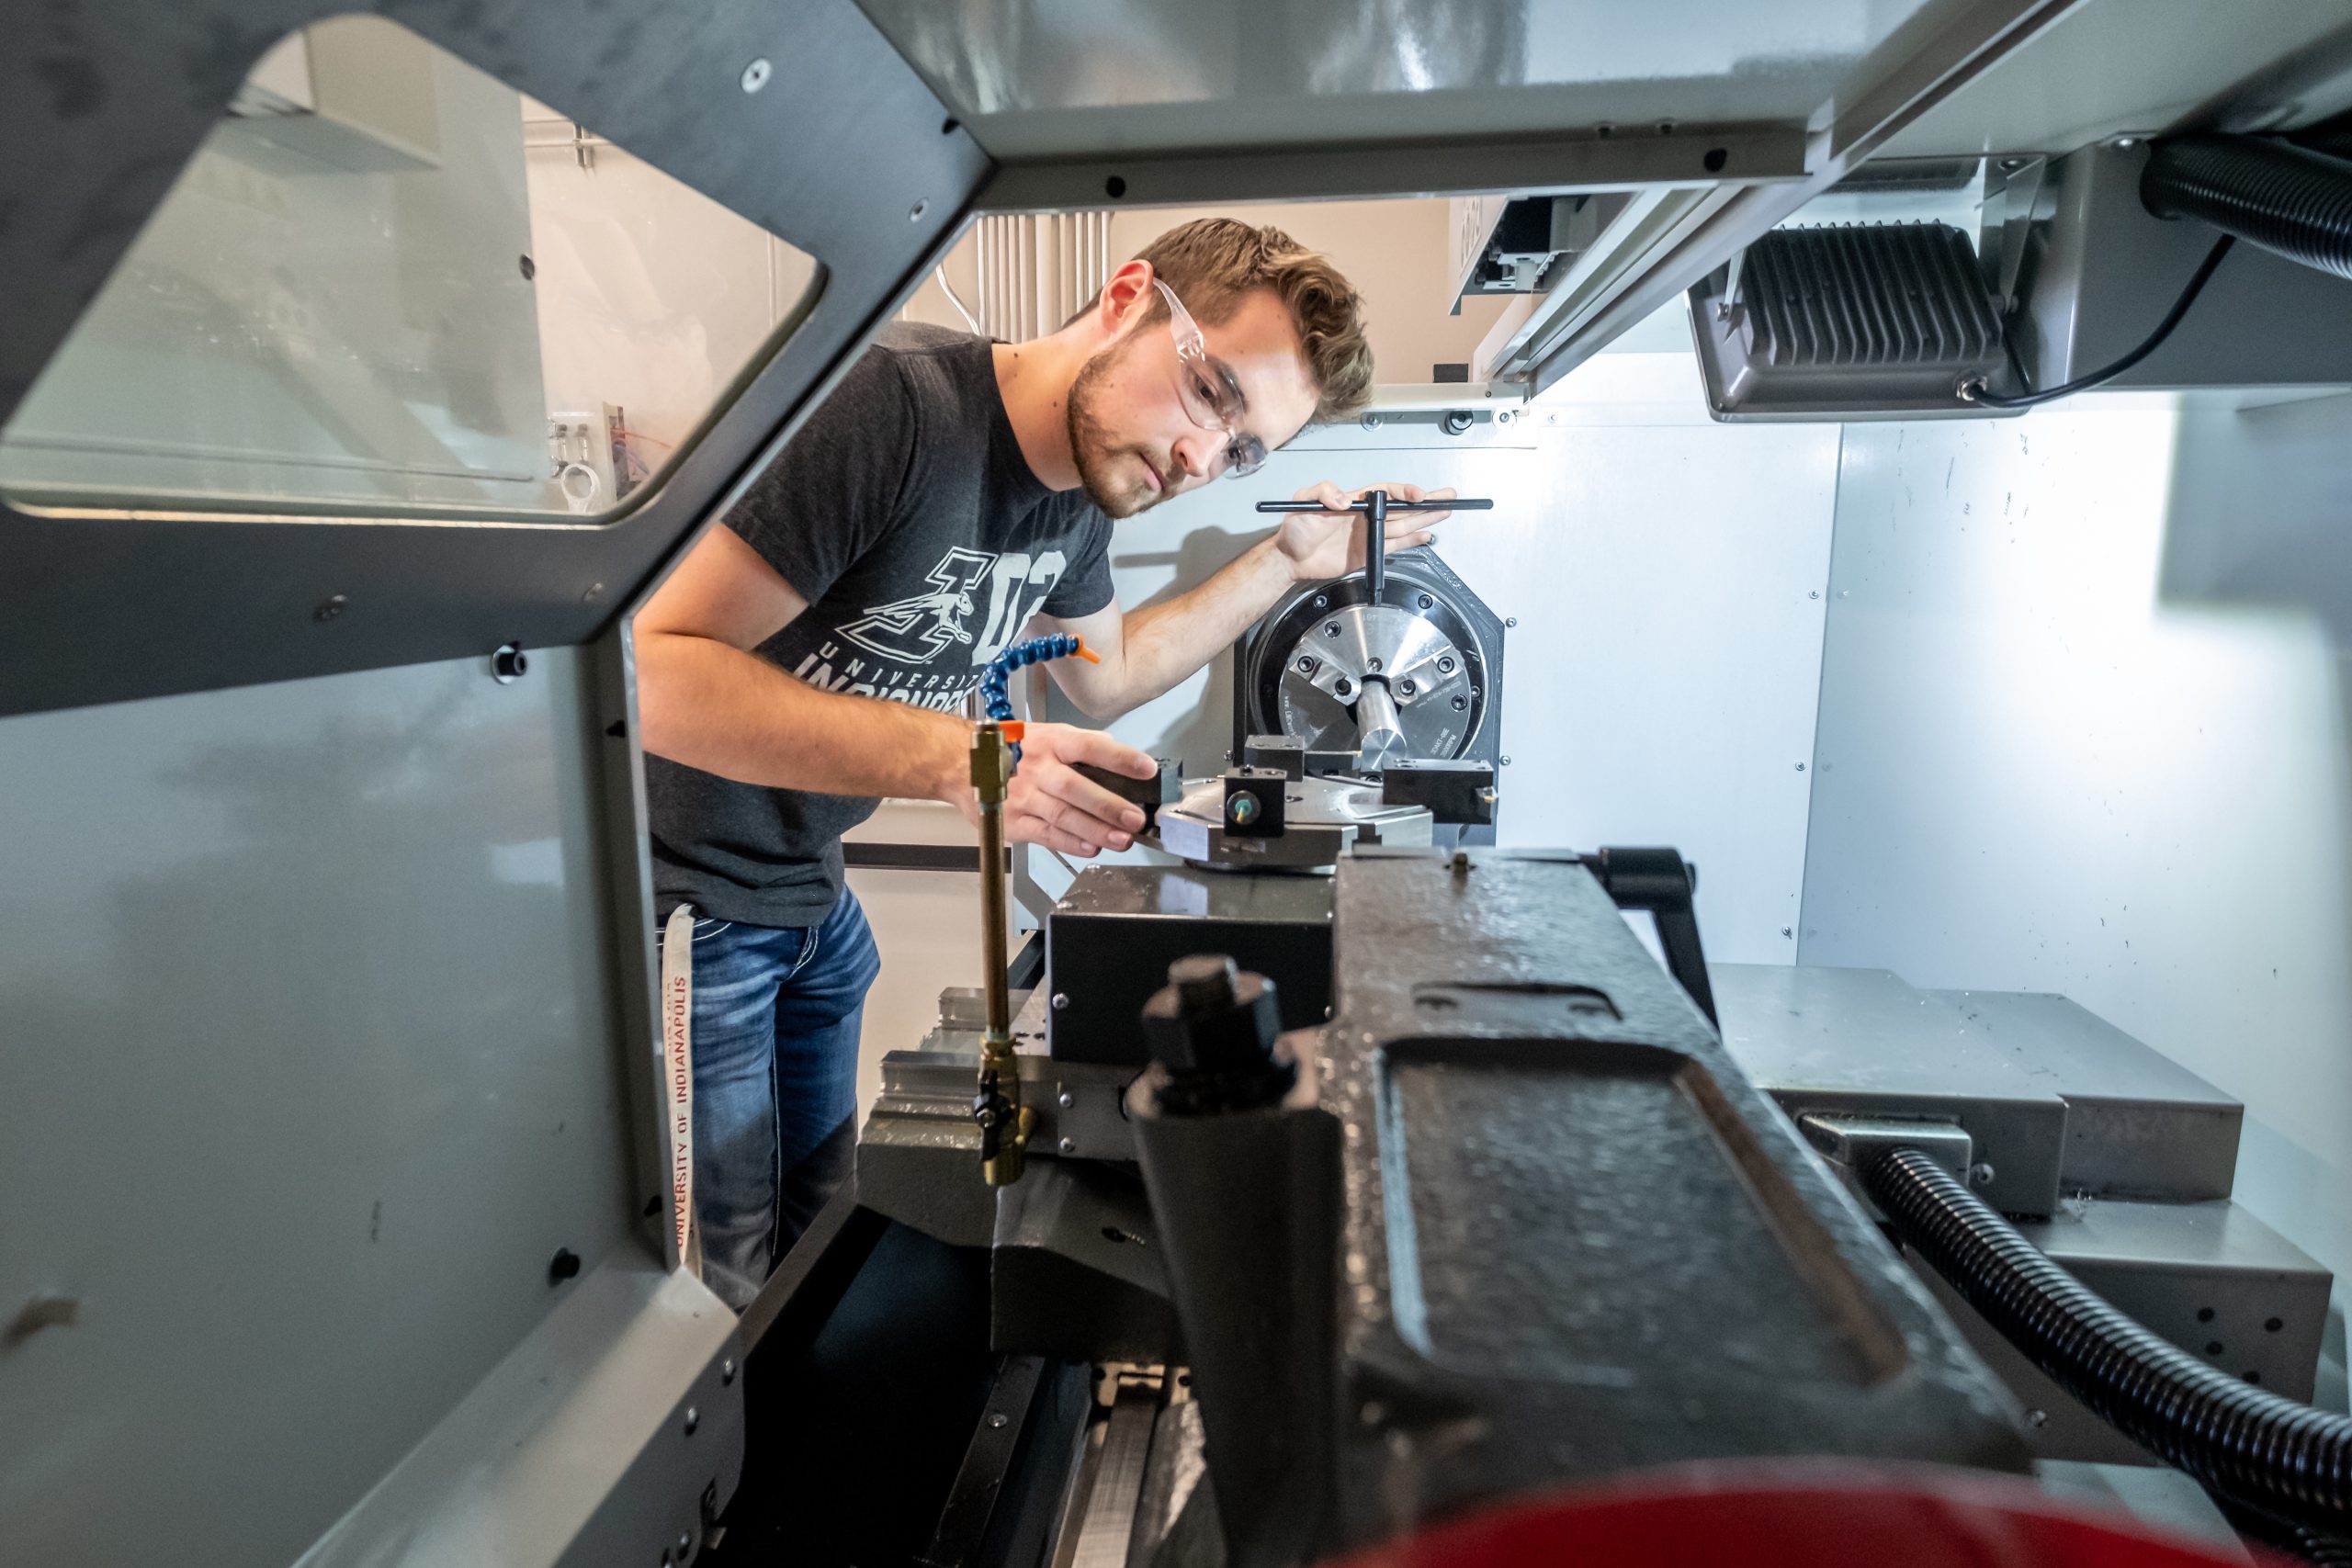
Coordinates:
774 1025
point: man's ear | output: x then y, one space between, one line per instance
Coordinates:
1126 294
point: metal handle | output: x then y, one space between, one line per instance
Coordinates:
1391 501
1375 505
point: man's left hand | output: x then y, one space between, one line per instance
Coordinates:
1323 544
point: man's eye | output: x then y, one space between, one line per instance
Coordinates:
1207 391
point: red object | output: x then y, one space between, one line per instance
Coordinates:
1801 1514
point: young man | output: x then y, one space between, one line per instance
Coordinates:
952 496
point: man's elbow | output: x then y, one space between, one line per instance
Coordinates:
1101 704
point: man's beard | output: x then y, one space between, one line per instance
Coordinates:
1095 450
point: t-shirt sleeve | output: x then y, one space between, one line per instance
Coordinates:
1086 586
834 491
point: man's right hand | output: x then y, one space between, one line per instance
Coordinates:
1050 803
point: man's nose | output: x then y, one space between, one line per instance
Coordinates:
1199 455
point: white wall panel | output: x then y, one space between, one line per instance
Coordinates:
2083 731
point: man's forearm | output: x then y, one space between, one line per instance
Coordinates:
1163 643
728 712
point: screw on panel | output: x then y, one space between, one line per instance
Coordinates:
1307 664
1460 704
1061 1002
756 74
1425 602
1406 688
1506 761
1979 1175
591 594
1342 686
1373 665
1322 600
1330 628
693 1419
914 213
563 1266
1445 666
1066 1100
509 665
685 1544
329 607
1068 1145
1800 767
726 1371
998 1420
1511 621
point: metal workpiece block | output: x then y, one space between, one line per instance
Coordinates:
1860 1042
1295 824
2138 1124
1110 939
2209 1276
1075 1268
1455 793
1165 787
1255 799
1575 1238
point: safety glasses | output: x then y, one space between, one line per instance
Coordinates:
1211 396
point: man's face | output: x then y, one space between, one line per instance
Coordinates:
1135 443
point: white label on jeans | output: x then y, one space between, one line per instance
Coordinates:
678 1081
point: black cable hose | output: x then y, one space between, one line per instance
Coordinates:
2288 199
2294 1540
2288 1459
1974 390
2294 201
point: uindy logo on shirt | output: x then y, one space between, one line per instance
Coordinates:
916 630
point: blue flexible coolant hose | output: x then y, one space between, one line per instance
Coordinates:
996 699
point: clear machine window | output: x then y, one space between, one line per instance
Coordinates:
389 285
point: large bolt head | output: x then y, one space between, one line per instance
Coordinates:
1204 982
1212 1018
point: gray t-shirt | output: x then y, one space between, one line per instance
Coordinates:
905 514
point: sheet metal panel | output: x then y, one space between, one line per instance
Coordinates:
2138 1124
313 1064
1044 78
1859 1041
